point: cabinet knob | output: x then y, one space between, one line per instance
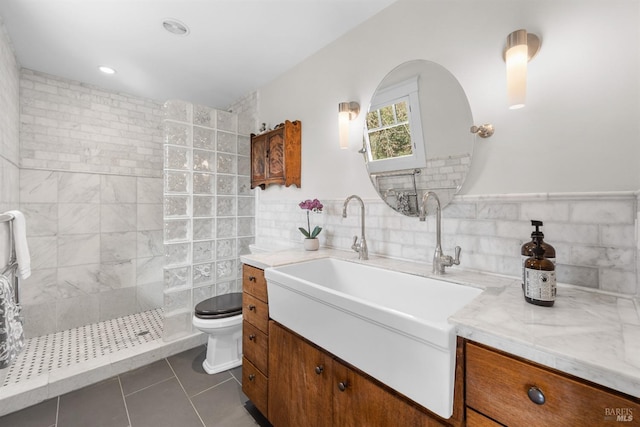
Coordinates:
252 307
252 278
319 369
252 337
252 377
536 395
342 386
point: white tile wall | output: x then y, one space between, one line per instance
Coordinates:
594 235
88 247
91 189
9 131
72 126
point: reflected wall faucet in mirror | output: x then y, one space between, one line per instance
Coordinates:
347 111
359 247
440 261
521 48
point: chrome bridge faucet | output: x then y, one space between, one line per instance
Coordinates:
440 261
359 247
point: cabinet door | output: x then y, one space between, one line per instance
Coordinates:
358 401
276 157
299 381
258 161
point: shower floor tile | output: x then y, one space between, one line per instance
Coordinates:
55 364
48 353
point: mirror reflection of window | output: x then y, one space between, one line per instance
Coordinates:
389 132
394 138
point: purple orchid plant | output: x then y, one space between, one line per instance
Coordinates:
311 206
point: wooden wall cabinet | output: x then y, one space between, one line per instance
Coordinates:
276 156
310 387
498 389
255 337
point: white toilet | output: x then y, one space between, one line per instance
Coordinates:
221 319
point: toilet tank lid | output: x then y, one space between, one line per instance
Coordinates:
222 305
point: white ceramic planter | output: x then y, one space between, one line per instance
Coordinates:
311 244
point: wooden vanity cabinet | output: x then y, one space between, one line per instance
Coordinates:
498 386
255 337
300 389
310 387
276 156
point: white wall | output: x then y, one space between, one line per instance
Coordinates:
9 131
579 131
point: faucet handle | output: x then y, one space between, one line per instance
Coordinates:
355 244
457 250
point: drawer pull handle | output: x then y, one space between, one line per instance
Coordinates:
252 377
252 307
252 278
342 386
319 369
252 337
536 395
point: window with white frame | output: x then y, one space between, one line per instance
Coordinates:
394 130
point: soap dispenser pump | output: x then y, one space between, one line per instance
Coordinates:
526 250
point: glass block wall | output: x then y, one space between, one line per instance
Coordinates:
209 208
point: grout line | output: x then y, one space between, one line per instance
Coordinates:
187 395
124 400
57 410
215 386
149 386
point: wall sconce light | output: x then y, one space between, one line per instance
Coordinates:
521 48
483 131
347 111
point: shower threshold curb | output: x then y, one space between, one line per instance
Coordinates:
64 380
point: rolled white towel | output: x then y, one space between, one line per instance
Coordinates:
20 242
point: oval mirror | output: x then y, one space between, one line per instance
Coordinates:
417 137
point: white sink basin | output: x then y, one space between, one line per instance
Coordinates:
391 325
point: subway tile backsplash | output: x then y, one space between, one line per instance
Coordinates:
595 234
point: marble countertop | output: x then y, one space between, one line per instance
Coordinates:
589 334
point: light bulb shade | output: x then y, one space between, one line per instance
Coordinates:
347 111
343 129
516 57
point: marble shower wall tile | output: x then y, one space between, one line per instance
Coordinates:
90 234
78 187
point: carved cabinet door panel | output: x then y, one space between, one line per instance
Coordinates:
275 156
258 161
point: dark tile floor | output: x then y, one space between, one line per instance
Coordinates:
173 392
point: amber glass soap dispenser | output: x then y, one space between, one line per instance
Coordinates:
526 250
539 278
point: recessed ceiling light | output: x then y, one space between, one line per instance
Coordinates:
175 27
106 70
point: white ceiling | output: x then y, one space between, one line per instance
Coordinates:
233 48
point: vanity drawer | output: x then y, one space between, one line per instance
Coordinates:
255 385
498 386
253 282
476 419
255 346
255 312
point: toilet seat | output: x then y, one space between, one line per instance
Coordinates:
219 307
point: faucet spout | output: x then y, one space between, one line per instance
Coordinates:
359 247
440 261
